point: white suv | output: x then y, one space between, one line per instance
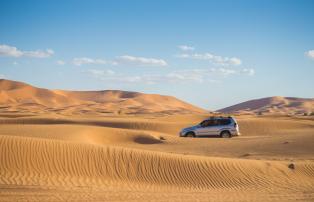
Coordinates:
224 127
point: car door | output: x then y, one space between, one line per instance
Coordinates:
202 130
208 127
224 124
213 128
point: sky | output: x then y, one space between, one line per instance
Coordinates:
212 54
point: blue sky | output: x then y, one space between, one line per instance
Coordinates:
210 53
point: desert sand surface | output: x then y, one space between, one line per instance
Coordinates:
63 155
273 105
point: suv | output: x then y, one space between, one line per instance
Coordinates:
224 127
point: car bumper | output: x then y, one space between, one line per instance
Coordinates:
182 134
235 133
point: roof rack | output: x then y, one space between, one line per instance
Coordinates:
212 117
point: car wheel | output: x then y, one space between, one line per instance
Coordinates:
225 134
190 134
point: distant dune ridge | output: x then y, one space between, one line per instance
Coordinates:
18 96
273 105
21 97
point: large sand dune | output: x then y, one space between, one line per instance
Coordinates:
273 105
21 97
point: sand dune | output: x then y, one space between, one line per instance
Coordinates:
105 158
46 163
21 97
273 105
262 137
58 145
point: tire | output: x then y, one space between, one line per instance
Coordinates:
190 134
225 134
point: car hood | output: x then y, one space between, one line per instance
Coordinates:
191 128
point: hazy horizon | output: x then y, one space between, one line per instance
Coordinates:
210 54
241 102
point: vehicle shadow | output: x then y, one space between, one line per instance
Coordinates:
209 136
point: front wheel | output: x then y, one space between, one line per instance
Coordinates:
225 134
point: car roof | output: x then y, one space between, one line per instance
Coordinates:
219 117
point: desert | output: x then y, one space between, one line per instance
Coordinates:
144 101
66 155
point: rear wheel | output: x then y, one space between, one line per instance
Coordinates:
190 134
225 134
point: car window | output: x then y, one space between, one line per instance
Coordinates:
224 121
215 122
208 123
205 123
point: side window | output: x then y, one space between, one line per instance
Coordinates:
215 122
207 123
224 122
204 123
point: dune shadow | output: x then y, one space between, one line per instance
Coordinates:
147 140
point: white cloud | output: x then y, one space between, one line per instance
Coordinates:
2 76
100 73
215 59
15 63
235 61
61 62
212 75
12 51
186 48
142 61
249 72
111 76
310 54
125 59
204 75
192 75
224 71
85 60
39 53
